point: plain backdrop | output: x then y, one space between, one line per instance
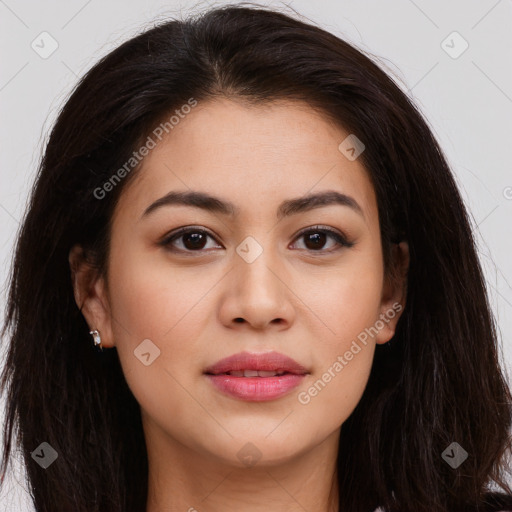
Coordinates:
453 58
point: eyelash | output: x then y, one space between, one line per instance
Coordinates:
338 237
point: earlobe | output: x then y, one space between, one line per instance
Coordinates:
90 295
394 293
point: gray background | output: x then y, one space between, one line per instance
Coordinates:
466 98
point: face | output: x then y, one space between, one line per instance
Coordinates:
271 270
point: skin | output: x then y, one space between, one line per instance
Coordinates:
309 304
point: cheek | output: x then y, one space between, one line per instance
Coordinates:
153 298
345 300
168 307
348 304
344 351
335 390
153 301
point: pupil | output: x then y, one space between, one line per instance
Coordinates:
318 240
196 241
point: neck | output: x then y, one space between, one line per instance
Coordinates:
184 479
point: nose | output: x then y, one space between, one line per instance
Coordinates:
258 294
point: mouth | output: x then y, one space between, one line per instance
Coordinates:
247 364
256 377
253 373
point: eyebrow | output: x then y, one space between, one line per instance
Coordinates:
286 208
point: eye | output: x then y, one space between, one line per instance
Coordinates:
316 237
192 239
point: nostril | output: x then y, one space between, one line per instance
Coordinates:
239 320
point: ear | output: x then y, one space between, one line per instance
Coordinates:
394 292
91 295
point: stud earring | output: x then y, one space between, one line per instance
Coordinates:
97 339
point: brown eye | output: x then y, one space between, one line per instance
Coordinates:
192 240
316 238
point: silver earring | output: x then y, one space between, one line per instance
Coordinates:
97 339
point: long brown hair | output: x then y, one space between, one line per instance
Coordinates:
437 383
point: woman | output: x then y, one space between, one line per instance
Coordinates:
246 279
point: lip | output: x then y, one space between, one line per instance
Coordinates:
267 361
256 389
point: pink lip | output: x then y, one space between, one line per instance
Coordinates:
256 388
268 361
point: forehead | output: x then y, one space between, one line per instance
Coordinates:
252 155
